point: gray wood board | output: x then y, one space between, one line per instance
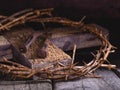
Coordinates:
109 81
82 40
110 78
26 85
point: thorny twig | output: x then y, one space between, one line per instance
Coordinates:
22 17
74 51
62 72
17 70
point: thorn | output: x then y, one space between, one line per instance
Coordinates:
43 25
93 54
66 77
107 61
84 63
112 51
5 59
74 52
60 64
82 19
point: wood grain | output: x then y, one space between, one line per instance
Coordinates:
110 78
26 85
109 81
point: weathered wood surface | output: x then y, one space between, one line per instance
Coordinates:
26 85
109 81
110 78
65 38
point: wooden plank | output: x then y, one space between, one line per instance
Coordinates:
110 78
44 86
26 85
83 84
21 87
65 38
109 81
6 87
33 86
40 85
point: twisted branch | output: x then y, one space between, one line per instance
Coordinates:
61 72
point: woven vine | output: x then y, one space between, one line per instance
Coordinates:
62 72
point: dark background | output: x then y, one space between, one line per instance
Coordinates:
102 12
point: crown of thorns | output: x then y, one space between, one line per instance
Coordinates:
62 72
